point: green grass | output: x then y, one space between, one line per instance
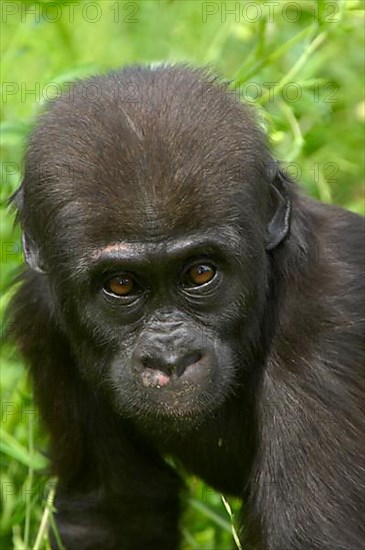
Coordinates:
303 69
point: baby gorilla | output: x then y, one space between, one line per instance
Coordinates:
183 299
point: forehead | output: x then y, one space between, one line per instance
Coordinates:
181 154
135 204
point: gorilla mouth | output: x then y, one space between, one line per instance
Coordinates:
177 397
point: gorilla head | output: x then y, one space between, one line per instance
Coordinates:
151 225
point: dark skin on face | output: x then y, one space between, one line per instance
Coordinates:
182 298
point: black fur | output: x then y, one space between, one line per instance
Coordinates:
264 364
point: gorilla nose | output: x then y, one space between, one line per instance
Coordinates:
168 363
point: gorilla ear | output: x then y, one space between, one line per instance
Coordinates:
278 227
31 254
30 249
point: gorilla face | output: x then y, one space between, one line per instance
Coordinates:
158 321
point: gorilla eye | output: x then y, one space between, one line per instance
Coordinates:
199 274
120 285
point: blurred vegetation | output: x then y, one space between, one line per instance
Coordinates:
300 62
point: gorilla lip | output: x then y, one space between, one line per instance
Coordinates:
152 378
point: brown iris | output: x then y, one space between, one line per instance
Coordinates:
200 274
121 285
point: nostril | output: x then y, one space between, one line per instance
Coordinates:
142 362
192 358
145 361
186 361
152 363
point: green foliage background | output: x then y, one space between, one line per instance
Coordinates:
300 62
